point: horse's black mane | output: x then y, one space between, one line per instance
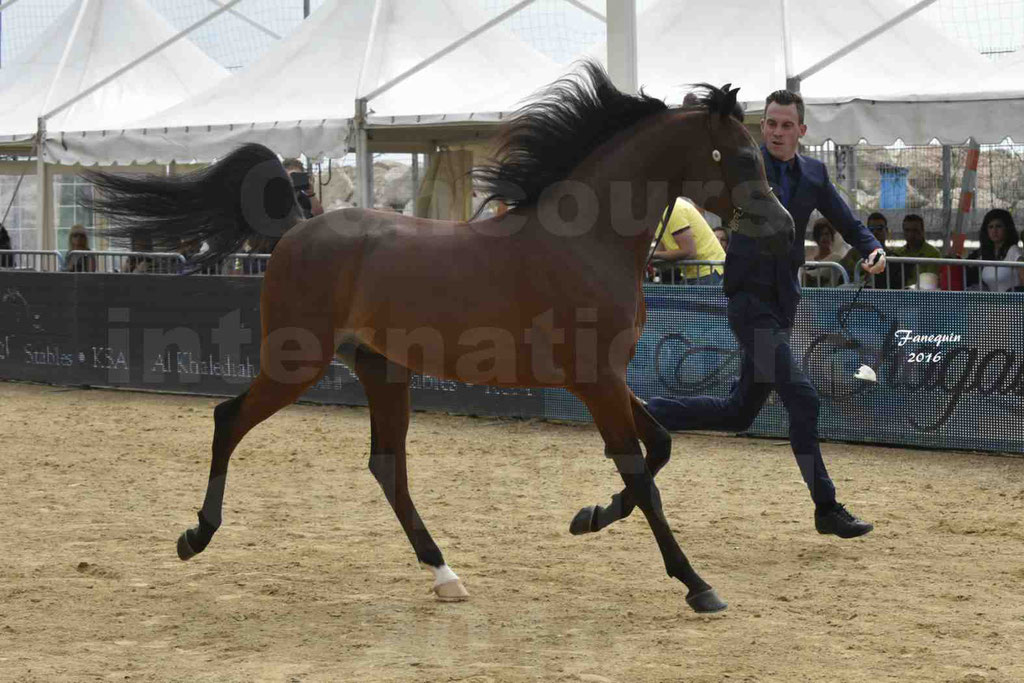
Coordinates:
547 138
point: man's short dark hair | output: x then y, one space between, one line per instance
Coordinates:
785 98
913 218
879 216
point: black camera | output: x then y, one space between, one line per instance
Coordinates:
300 180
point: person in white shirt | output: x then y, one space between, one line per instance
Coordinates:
999 237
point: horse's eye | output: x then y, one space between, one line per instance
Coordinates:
716 155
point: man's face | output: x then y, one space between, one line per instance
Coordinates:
913 232
782 130
824 239
879 229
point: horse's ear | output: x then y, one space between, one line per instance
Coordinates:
729 103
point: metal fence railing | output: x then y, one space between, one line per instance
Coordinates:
693 272
903 272
156 263
824 273
30 259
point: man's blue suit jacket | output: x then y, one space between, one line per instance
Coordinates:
776 277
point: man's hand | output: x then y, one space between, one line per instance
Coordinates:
875 262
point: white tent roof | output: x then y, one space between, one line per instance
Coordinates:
298 97
93 39
910 82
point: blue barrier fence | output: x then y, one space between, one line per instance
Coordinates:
950 365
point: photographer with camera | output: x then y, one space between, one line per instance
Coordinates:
304 195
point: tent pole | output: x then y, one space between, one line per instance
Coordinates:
947 195
867 37
967 189
44 198
450 48
580 6
364 161
620 29
792 82
64 54
371 40
415 173
255 24
131 65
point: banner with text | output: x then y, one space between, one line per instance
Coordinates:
950 365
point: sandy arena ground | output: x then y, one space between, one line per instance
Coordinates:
311 578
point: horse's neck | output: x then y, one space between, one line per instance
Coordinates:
635 175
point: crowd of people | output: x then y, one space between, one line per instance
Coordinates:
78 256
998 238
688 238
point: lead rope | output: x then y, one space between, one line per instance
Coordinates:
658 234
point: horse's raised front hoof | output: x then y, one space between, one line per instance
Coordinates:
185 551
583 522
451 591
706 602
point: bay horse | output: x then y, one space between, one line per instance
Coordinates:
547 294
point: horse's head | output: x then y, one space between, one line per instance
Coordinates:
726 163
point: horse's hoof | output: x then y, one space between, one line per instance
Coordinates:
185 551
583 522
706 602
451 591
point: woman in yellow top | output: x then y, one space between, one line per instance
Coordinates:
689 237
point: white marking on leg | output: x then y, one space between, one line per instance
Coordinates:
442 574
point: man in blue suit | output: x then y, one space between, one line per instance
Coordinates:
763 295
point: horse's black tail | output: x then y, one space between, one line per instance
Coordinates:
246 196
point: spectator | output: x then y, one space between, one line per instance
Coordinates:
878 224
6 260
827 249
78 241
304 195
916 247
689 237
723 238
140 264
998 237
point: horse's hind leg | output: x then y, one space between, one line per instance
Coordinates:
232 420
658 443
387 391
610 405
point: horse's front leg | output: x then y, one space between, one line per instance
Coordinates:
610 405
658 443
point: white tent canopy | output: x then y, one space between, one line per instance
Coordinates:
909 82
87 43
300 96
